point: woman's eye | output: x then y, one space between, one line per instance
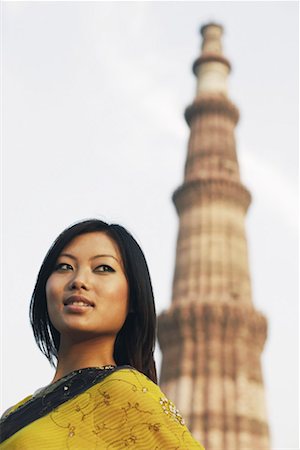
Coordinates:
104 268
63 267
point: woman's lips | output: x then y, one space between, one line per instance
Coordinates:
78 300
77 308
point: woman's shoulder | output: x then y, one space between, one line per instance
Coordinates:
134 385
130 373
129 397
134 380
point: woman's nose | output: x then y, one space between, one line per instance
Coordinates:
79 282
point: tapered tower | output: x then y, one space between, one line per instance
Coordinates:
212 337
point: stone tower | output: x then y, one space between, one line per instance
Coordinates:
211 336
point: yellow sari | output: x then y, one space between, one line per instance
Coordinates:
123 410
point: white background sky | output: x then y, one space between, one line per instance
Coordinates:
92 126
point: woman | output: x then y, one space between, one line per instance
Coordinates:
93 316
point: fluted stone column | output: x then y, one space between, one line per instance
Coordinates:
211 336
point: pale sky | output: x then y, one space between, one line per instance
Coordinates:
92 126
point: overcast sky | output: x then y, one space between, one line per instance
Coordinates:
92 126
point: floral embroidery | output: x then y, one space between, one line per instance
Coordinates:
71 431
124 411
154 426
170 409
106 398
123 443
134 406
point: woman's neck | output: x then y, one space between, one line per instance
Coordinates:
78 355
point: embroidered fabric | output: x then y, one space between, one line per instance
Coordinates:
123 410
54 395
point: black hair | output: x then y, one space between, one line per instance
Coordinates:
134 344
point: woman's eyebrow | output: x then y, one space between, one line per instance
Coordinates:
68 255
93 257
99 256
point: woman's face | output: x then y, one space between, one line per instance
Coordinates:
87 293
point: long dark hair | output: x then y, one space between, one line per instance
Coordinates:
134 344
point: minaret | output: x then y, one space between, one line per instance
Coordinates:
211 336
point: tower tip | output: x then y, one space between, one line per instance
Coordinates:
210 24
